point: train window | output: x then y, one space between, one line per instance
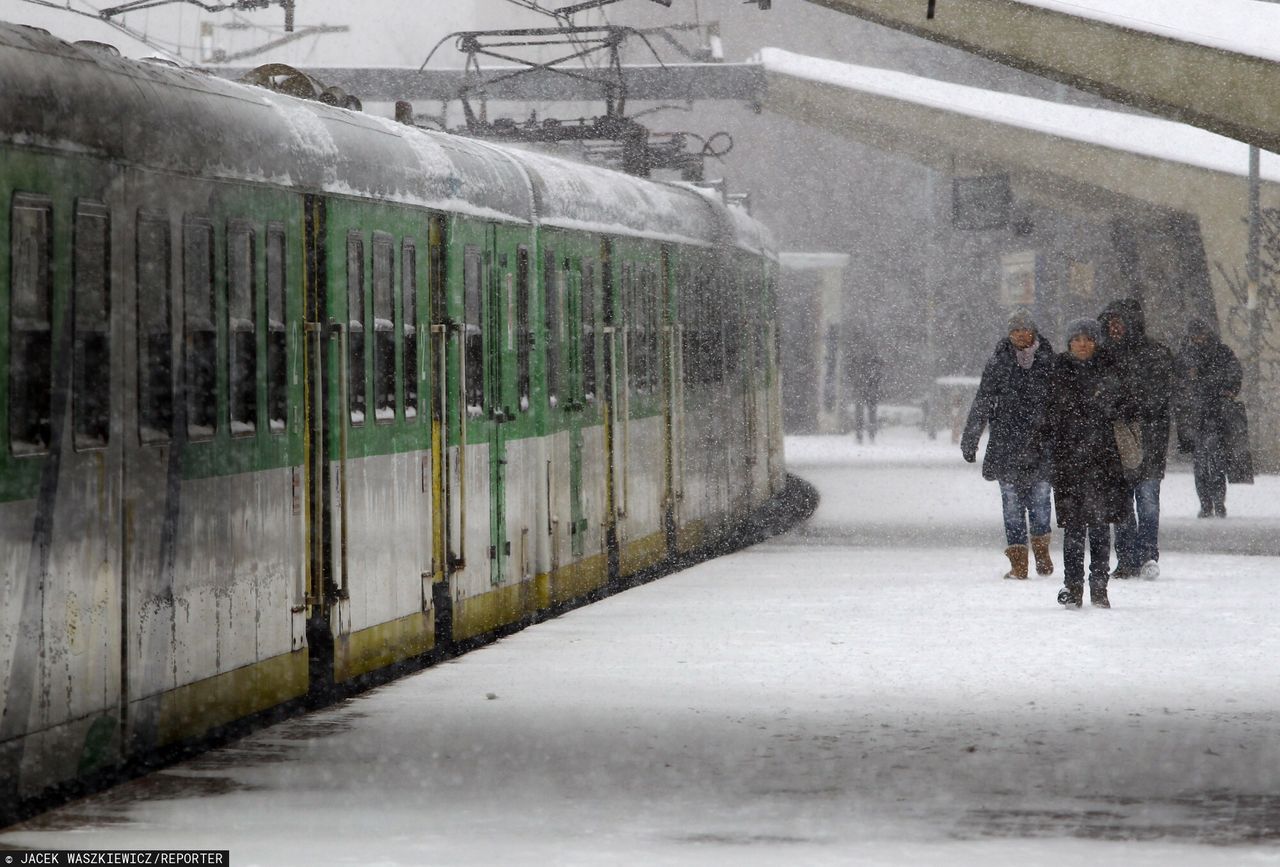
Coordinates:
155 330
355 328
409 326
384 335
553 280
630 310
731 341
688 328
30 325
277 334
710 315
524 336
91 396
588 313
200 335
648 316
473 350
241 328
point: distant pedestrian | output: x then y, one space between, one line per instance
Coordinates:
1012 399
1144 369
1090 491
1210 376
865 372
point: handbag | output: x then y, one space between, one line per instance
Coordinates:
1129 443
1235 436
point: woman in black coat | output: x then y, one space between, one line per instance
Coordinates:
1089 487
1011 400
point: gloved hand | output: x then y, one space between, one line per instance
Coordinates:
969 451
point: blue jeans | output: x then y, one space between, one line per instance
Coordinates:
1138 539
1021 502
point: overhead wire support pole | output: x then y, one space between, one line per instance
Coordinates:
1253 269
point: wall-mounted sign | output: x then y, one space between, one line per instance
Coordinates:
1018 279
1080 279
981 202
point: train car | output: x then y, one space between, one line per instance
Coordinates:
290 394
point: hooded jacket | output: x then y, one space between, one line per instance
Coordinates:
1012 401
1209 375
1144 371
1089 485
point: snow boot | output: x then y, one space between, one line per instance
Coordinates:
1017 555
1072 595
1040 547
1150 571
1098 594
1125 571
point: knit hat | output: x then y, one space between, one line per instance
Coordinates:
1020 319
1087 327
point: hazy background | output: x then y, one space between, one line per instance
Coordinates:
817 191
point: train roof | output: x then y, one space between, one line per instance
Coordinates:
69 97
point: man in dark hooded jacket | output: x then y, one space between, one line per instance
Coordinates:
1090 491
1144 371
1011 399
1210 375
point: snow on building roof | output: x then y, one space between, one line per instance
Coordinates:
1131 133
1240 26
799 261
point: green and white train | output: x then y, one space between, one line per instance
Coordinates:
290 394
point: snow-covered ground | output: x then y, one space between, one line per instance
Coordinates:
864 690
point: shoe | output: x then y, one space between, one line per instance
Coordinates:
1098 595
1017 555
1071 597
1205 512
1125 571
1040 548
1150 571
1219 510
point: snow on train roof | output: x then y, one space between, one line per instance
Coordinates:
190 122
573 195
64 96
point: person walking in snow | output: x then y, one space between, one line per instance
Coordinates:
1210 376
1144 370
1090 490
1012 399
865 372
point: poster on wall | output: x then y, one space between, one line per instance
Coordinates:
1018 279
1081 280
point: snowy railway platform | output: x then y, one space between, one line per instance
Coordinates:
862 690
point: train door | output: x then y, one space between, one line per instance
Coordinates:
500 391
319 351
668 380
576 404
438 383
610 357
60 479
480 412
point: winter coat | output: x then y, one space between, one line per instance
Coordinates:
1209 375
1089 486
1012 401
864 374
1144 370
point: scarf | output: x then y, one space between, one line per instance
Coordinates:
1028 355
